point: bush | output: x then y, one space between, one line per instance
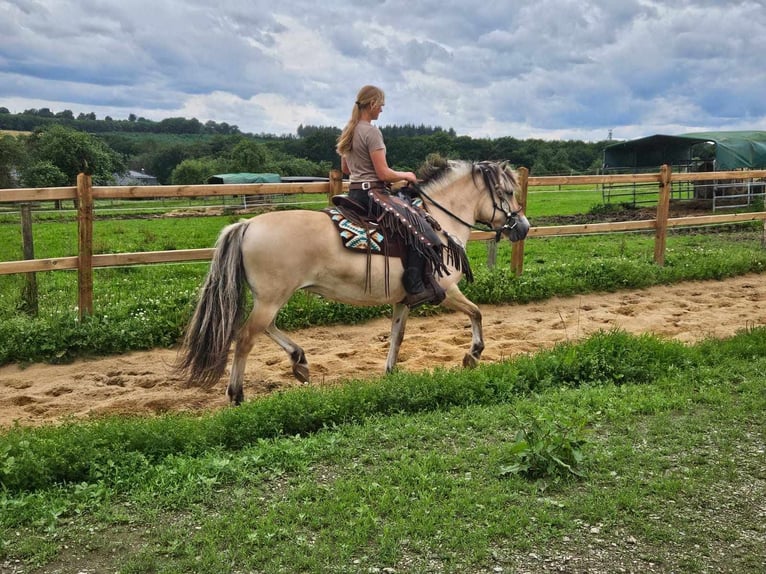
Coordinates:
546 448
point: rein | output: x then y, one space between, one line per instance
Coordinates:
509 215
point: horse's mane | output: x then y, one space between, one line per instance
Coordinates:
438 171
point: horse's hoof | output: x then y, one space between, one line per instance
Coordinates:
469 361
301 372
236 400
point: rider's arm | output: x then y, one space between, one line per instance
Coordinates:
384 172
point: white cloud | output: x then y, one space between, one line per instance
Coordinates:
531 68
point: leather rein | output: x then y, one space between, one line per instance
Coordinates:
504 207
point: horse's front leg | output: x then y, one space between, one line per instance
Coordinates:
456 301
399 316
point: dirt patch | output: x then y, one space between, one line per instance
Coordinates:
144 383
611 213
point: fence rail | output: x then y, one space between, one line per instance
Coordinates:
84 194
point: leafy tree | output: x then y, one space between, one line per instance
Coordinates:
72 152
320 145
296 166
161 162
43 174
180 126
407 153
474 149
543 164
248 156
195 171
12 157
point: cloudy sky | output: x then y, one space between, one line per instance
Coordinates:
552 69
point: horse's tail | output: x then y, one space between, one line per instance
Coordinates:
219 313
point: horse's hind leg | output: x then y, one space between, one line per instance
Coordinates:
258 322
297 356
456 301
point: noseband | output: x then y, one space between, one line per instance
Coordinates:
492 183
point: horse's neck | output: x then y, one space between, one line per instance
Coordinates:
459 198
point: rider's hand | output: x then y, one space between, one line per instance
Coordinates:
409 176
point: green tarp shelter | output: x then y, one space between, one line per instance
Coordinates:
733 150
245 178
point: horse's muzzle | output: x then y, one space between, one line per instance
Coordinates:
517 227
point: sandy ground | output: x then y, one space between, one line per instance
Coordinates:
143 382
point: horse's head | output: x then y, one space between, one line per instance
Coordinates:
506 215
495 205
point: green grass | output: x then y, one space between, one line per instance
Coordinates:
570 200
407 473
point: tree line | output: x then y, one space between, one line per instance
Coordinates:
33 118
60 145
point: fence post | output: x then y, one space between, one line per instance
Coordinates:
663 211
517 249
28 249
85 244
336 185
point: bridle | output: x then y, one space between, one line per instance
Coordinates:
491 182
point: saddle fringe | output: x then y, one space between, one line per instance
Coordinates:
408 222
404 225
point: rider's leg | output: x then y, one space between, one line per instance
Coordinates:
420 289
413 271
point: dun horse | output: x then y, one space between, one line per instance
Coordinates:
275 254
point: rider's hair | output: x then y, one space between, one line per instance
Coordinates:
367 97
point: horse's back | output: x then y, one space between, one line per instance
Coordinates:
303 249
295 229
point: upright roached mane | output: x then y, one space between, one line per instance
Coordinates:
275 254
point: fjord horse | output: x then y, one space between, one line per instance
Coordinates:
274 254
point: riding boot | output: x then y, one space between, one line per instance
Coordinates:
413 280
433 294
418 292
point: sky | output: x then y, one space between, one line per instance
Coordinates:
550 69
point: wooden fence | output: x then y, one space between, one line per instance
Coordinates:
85 193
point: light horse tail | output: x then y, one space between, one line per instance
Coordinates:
219 313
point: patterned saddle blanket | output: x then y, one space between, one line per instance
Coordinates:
356 236
359 234
362 235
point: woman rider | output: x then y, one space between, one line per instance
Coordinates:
363 159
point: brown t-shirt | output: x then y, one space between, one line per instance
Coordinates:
367 139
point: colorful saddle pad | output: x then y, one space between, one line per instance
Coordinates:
355 236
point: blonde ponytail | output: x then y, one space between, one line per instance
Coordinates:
367 97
